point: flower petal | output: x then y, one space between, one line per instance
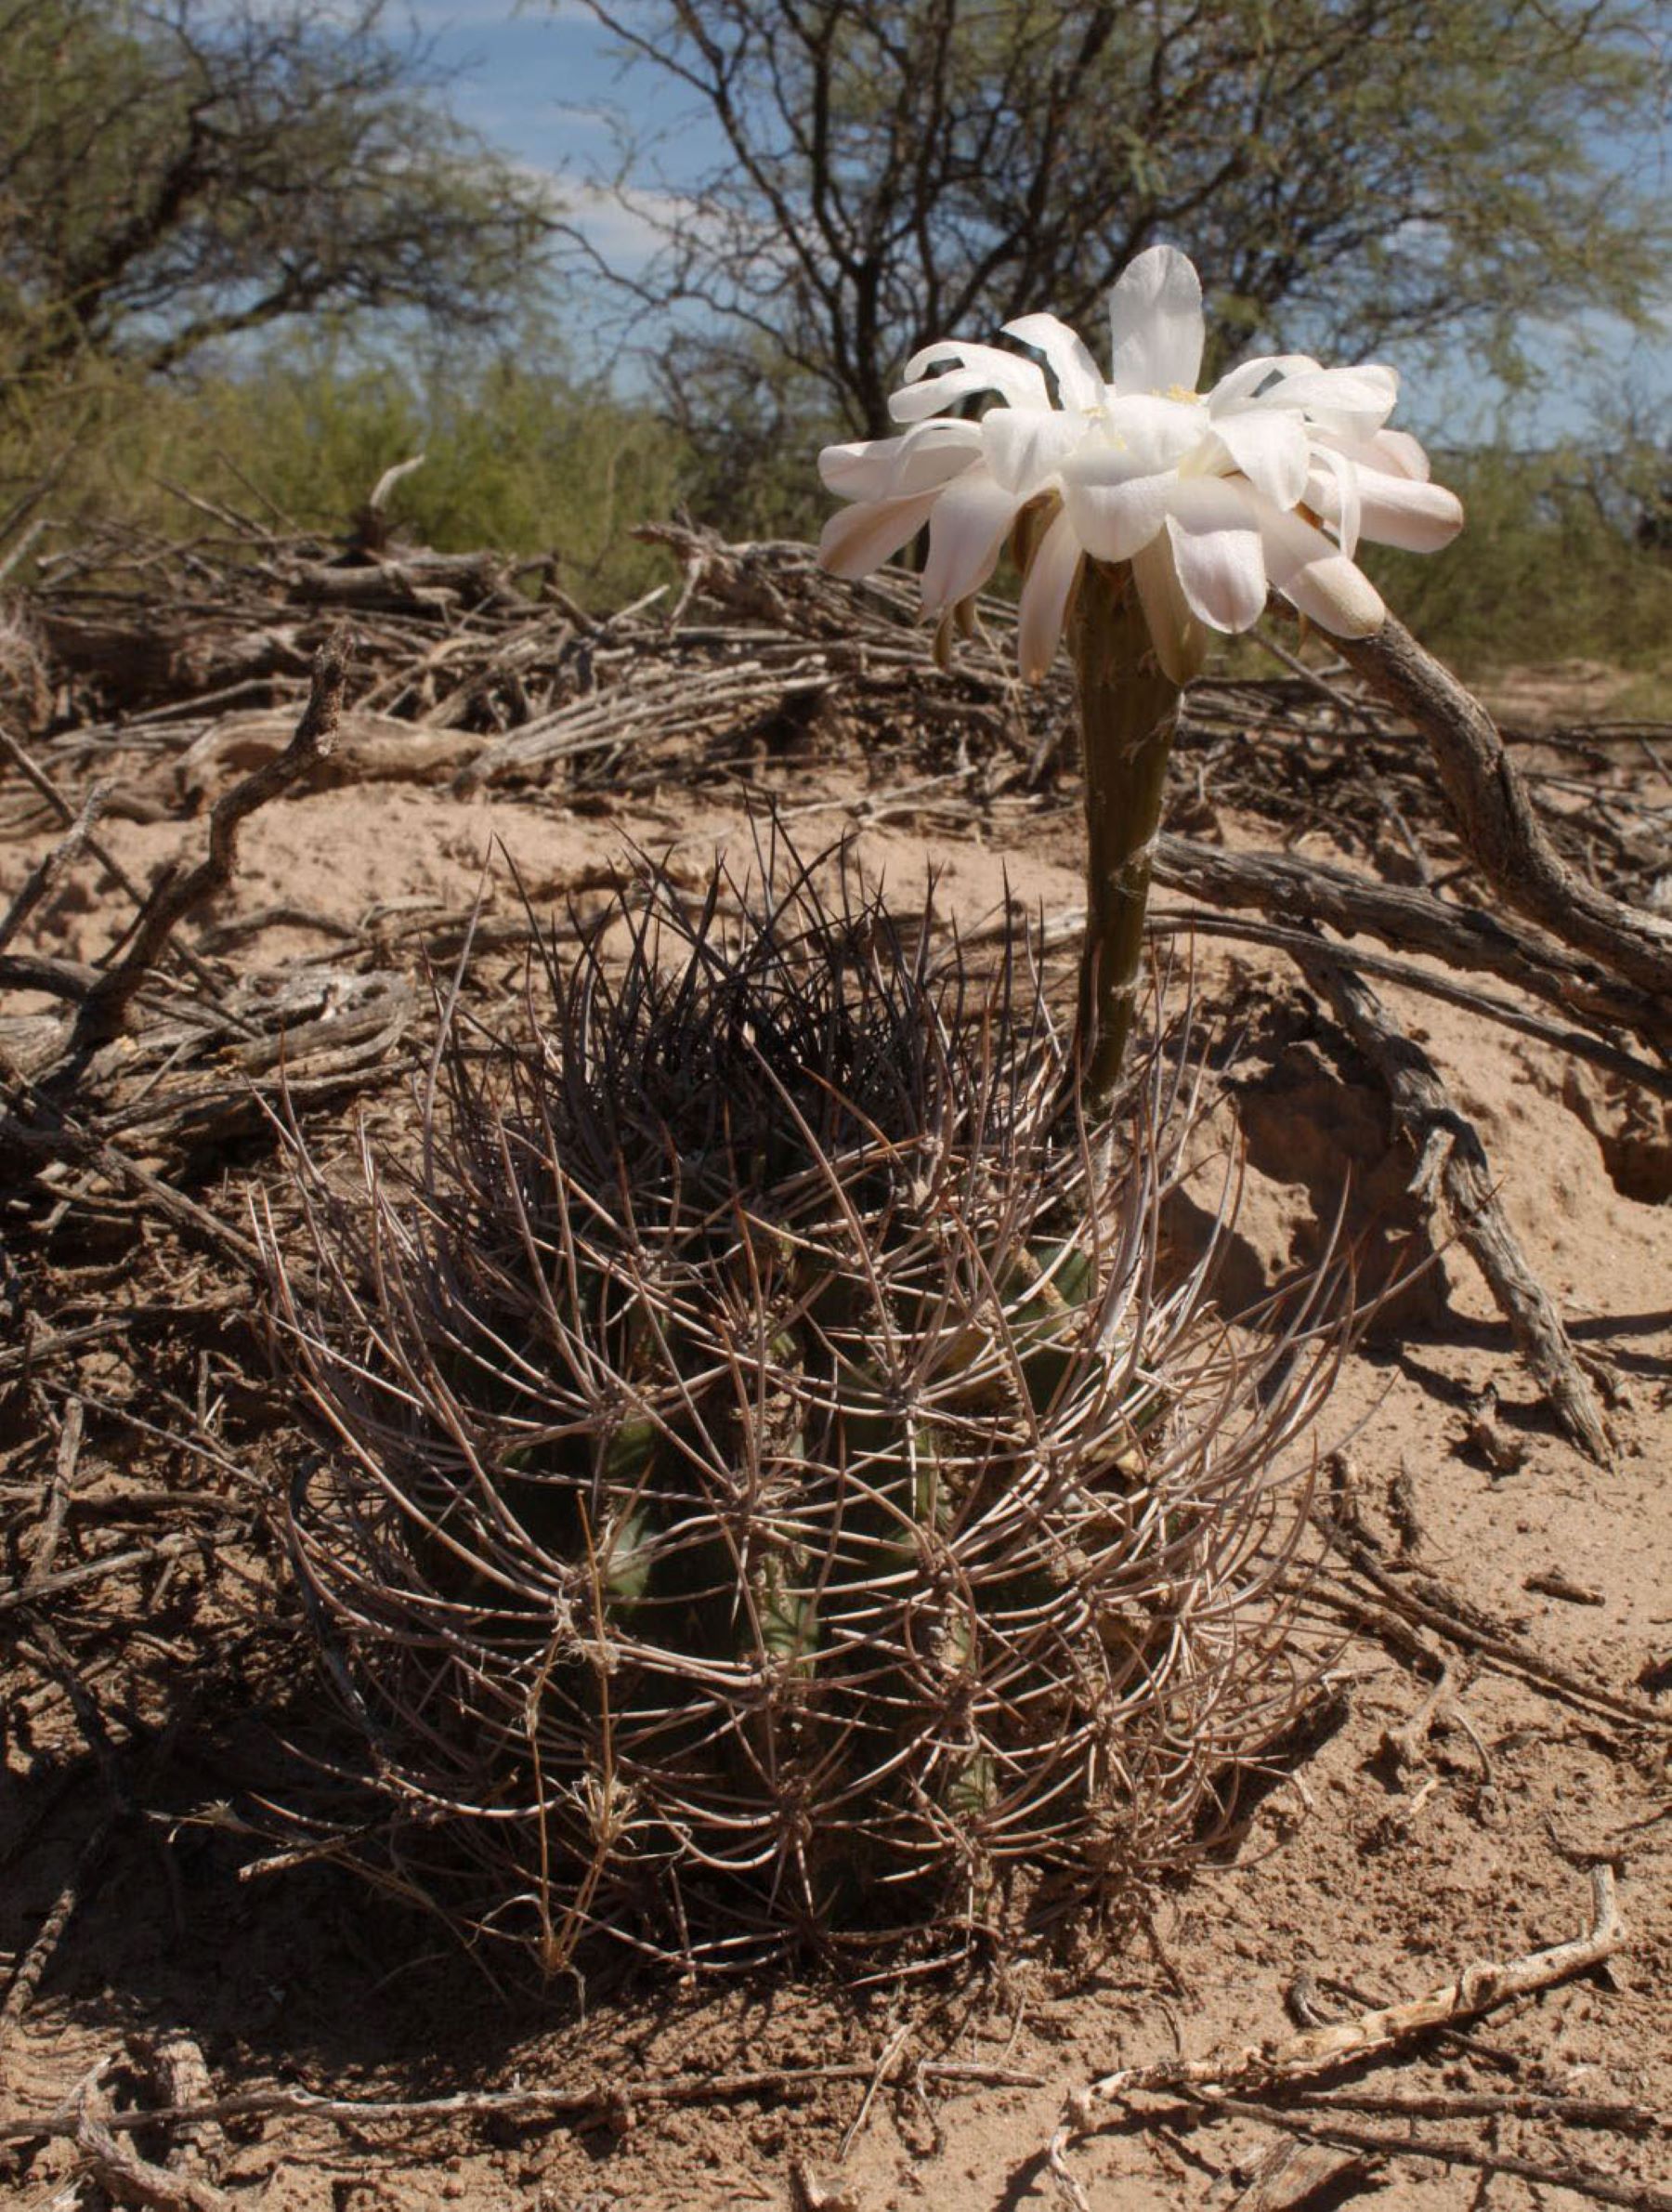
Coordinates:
1154 432
1114 521
1179 640
1401 511
1316 576
1045 598
1399 455
1214 530
1080 380
980 369
966 532
861 538
1117 485
1156 323
1270 448
1244 381
1025 447
1355 402
1332 493
929 454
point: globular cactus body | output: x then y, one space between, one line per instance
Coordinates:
770 1499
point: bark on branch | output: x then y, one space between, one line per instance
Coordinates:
1309 892
1453 1167
1496 815
104 1010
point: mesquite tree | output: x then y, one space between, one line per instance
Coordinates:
1365 174
172 174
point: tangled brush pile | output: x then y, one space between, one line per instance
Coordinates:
771 1499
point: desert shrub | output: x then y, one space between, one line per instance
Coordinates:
1548 565
520 456
773 1498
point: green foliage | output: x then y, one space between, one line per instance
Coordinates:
521 458
518 457
1547 567
751 426
174 172
524 457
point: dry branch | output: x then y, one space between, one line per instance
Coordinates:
1262 2069
1394 2142
56 1502
1451 1167
1301 944
1495 814
45 877
60 808
63 1137
127 2177
1623 2117
104 1009
26 1977
1410 1604
407 581
1312 893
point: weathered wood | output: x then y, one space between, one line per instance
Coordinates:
1308 892
104 1008
1452 1169
1496 815
1263 2068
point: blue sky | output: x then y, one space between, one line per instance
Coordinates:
524 77
537 81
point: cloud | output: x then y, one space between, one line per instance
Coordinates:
625 226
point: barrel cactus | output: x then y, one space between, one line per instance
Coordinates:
772 1496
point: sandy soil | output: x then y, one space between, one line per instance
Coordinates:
1372 1871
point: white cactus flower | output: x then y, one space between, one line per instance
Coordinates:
1267 482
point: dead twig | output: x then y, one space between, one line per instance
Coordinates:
66 814
32 1966
891 2051
1263 2067
1292 2174
49 1654
180 2075
1446 2104
1413 1603
1578 1044
1394 2142
67 1138
119 2168
1553 1583
528 2105
44 878
97 1570
103 1010
57 1501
